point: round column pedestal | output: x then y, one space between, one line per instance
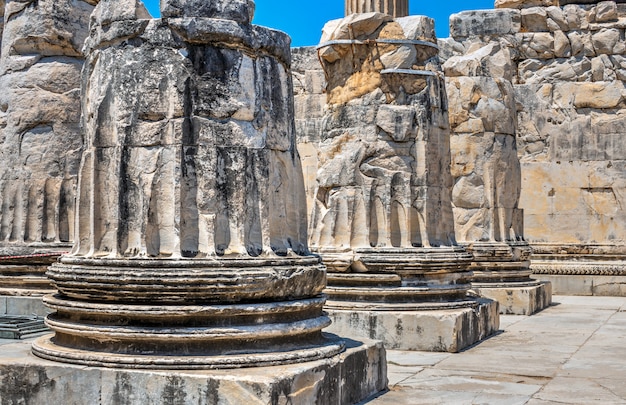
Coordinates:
23 268
411 299
502 273
256 314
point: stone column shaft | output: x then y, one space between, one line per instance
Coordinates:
40 141
395 8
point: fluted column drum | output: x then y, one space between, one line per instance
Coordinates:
191 246
395 8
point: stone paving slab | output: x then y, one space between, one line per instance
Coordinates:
571 353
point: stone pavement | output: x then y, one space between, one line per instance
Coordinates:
571 353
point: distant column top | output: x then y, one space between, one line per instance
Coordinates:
395 8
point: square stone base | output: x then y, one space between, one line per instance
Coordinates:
22 305
439 330
348 378
598 285
524 300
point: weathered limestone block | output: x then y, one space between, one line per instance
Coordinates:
487 175
492 60
236 10
525 3
382 219
597 95
395 8
41 144
535 19
485 22
191 248
539 45
608 41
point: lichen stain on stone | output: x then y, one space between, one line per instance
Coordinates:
19 384
174 392
123 392
210 395
281 393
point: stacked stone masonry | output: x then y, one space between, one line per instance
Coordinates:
567 65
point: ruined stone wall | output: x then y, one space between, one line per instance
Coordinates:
567 67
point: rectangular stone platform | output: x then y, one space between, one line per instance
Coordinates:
596 285
448 330
19 305
525 300
349 378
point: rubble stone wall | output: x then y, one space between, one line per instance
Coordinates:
567 66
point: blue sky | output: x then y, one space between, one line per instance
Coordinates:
304 19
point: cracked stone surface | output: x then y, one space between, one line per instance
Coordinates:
570 353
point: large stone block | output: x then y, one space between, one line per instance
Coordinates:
25 306
586 285
351 377
237 10
525 3
438 330
485 22
521 300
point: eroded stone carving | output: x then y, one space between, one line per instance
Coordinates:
487 177
41 143
382 217
191 246
567 75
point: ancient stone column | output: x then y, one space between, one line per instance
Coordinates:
395 8
191 248
488 179
382 220
41 143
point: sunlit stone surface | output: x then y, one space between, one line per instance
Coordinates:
191 246
566 64
395 8
382 217
39 136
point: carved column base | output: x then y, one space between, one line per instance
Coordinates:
590 269
23 269
399 275
187 314
502 273
411 299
